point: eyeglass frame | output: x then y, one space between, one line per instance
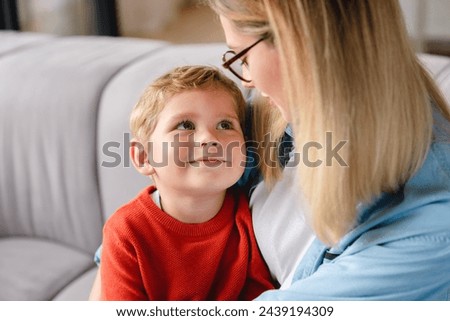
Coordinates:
227 63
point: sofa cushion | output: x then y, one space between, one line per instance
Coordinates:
37 269
78 289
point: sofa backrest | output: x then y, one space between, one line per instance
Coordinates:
439 68
49 96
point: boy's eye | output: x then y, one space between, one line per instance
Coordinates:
225 124
244 62
186 125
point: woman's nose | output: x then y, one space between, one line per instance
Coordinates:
247 84
246 75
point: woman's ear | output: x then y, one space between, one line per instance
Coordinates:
139 157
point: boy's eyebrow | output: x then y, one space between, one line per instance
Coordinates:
228 115
182 116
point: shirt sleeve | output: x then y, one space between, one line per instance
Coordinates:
98 255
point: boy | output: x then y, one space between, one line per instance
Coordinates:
189 236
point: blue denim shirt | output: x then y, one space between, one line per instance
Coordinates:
400 250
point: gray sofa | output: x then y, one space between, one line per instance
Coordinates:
64 106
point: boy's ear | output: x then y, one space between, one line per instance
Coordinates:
139 157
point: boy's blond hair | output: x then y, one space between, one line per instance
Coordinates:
145 113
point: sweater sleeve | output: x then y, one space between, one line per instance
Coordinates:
258 276
120 273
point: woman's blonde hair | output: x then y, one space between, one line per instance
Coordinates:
349 70
145 113
268 127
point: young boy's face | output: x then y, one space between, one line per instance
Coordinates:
197 145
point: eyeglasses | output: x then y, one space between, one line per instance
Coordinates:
231 60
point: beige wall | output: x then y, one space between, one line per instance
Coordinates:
139 18
426 19
68 17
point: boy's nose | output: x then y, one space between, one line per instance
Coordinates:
206 137
205 144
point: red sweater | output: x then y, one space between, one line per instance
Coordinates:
149 255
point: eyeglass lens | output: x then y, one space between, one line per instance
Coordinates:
236 66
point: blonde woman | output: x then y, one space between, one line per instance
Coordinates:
342 72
